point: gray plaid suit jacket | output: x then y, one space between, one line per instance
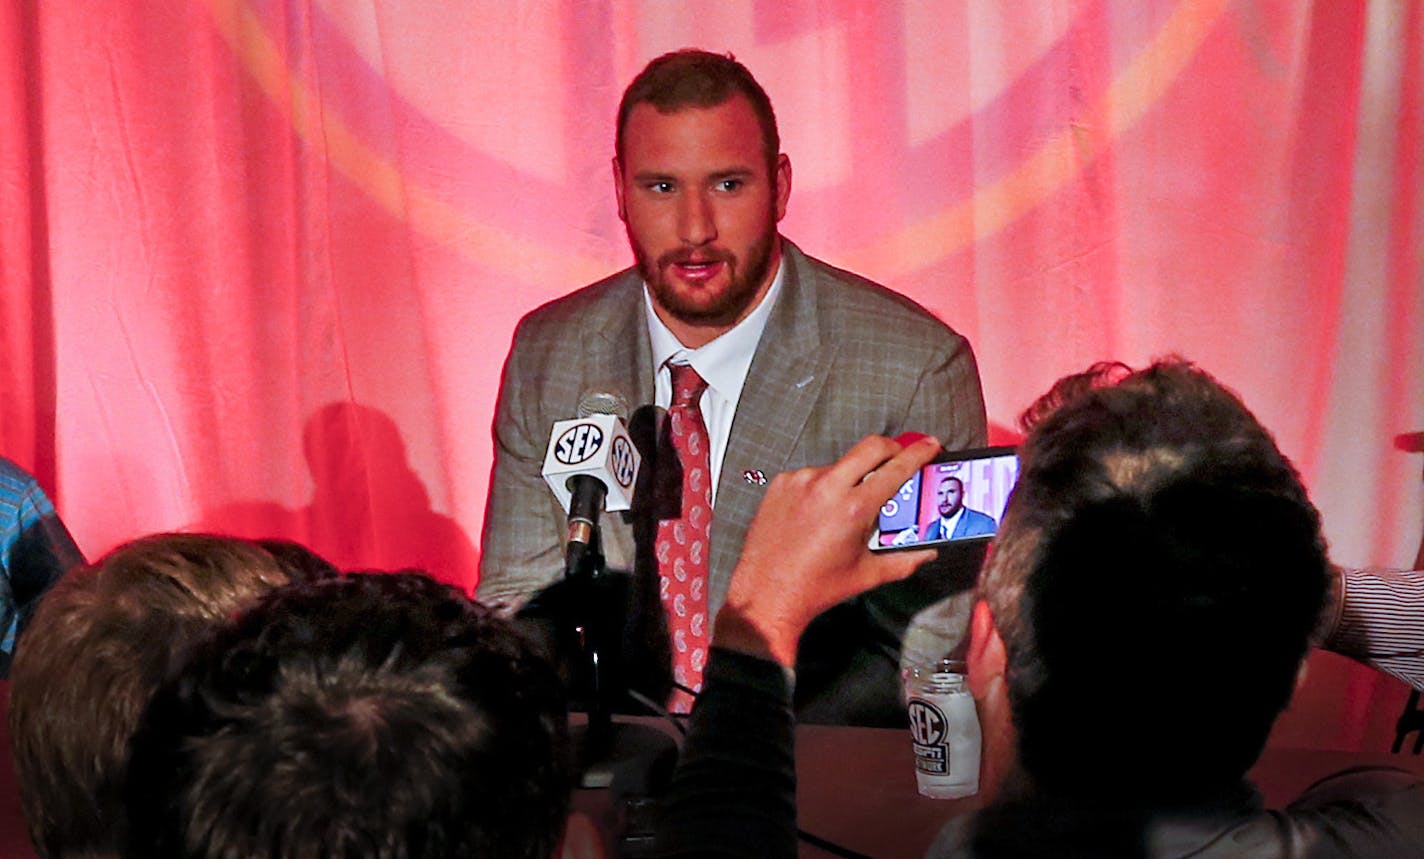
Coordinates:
841 358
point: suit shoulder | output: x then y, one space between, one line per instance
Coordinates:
849 301
589 306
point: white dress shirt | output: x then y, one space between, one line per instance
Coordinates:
1376 619
952 522
723 364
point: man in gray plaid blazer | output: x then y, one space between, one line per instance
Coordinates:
802 359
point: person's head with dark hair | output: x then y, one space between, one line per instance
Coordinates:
101 642
693 78
1070 387
1152 591
377 715
701 186
300 563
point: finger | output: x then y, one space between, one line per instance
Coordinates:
864 457
885 480
892 567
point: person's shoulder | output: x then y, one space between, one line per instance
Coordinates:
847 299
15 482
1371 810
591 305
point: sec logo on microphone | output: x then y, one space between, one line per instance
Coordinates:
578 444
623 461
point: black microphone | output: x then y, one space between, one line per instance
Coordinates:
592 466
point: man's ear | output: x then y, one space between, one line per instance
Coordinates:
986 659
1302 672
782 180
618 189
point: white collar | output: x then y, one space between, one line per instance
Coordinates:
951 522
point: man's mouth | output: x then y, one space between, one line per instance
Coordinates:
697 270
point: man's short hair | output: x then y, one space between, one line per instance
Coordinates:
377 715
694 78
1156 581
100 643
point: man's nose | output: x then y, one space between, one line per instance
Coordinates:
696 222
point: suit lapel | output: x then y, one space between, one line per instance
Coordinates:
616 350
785 380
618 347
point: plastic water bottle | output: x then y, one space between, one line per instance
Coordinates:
944 729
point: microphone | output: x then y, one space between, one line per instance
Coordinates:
592 465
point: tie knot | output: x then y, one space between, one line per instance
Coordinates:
687 386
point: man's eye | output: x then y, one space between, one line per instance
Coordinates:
660 187
730 185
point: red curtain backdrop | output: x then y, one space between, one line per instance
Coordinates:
262 258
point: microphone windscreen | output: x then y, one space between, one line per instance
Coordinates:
603 403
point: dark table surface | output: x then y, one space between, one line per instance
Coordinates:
856 788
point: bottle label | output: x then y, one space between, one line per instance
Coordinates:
929 730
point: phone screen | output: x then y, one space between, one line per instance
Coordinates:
960 496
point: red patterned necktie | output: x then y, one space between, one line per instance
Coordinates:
682 546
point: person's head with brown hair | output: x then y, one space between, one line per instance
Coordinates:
1159 556
380 714
99 645
701 186
691 78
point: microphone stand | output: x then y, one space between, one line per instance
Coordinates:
633 761
584 566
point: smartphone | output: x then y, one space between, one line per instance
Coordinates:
960 497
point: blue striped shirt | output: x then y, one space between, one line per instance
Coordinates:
35 550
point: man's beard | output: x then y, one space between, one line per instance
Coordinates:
731 305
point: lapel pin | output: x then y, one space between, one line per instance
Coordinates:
754 476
